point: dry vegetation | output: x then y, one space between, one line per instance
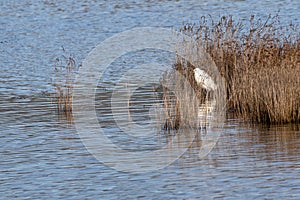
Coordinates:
65 69
260 62
258 59
180 102
186 104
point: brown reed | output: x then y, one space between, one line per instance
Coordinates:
65 69
179 101
260 62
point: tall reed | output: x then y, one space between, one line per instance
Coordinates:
187 104
260 62
179 102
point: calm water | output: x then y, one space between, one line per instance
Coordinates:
42 156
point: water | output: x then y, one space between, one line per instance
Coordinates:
41 153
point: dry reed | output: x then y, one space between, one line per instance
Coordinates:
260 62
179 102
65 69
258 59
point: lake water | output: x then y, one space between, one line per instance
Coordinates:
42 155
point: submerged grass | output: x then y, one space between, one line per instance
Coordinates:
260 63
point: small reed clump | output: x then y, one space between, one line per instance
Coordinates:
65 71
260 62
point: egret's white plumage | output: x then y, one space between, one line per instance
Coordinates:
205 112
202 78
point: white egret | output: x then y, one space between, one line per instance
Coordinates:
206 109
203 79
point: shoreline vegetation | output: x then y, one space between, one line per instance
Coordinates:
258 59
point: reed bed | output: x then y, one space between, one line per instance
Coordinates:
260 63
65 71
